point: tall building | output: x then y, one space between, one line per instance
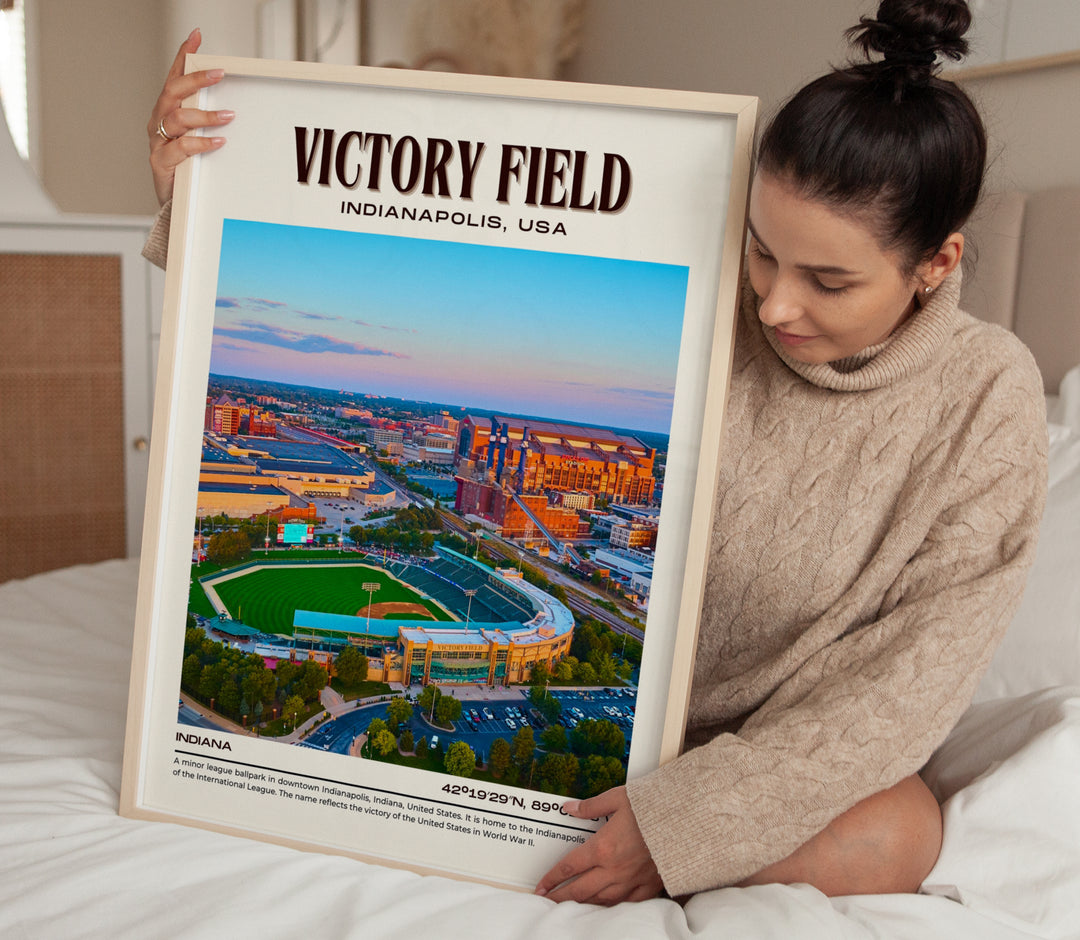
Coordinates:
384 439
633 535
508 511
223 416
540 456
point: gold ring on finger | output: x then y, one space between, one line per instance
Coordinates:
163 134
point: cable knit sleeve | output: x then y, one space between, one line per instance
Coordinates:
868 709
156 249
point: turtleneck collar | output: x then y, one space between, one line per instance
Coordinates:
907 351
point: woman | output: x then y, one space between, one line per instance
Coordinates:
882 480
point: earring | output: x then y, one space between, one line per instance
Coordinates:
928 289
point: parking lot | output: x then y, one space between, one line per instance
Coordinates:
482 721
615 705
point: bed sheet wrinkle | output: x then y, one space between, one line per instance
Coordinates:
69 595
1012 817
61 841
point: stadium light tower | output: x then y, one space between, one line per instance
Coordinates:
470 593
371 587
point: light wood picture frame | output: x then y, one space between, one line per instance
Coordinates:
535 280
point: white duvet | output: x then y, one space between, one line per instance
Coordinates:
71 867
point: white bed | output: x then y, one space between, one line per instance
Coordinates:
71 867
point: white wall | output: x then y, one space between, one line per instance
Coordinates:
1034 126
98 73
102 64
766 48
769 48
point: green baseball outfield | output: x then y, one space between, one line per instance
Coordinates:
267 598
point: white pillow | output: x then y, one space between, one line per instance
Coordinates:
1042 645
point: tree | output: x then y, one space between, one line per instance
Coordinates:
557 773
405 741
259 684
599 774
597 737
605 669
447 709
553 738
287 672
550 708
294 706
228 548
585 674
522 748
190 673
210 681
397 713
564 671
499 757
376 725
541 674
421 747
383 742
311 681
351 666
460 759
229 694
427 698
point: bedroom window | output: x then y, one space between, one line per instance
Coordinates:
13 94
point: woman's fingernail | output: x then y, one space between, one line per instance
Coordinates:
216 73
226 115
571 806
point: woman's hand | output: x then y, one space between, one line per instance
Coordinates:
173 121
613 865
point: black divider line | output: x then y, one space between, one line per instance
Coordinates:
532 820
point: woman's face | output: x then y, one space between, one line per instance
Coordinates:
826 287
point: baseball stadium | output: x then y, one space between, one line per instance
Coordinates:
447 619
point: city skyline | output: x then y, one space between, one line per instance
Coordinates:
571 337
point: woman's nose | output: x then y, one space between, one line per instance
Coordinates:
779 305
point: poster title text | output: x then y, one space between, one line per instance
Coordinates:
544 177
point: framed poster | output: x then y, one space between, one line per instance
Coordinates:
438 414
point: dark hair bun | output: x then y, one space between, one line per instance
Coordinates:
913 33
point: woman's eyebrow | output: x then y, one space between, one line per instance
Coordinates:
814 268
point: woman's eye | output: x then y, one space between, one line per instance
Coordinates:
758 252
824 289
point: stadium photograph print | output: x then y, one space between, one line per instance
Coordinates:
436 405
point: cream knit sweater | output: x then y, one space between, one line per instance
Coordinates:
874 525
873 529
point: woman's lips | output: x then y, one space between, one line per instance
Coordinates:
792 339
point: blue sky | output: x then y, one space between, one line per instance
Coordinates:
571 337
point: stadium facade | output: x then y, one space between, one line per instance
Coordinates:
544 456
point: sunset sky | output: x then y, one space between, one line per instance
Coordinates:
568 337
